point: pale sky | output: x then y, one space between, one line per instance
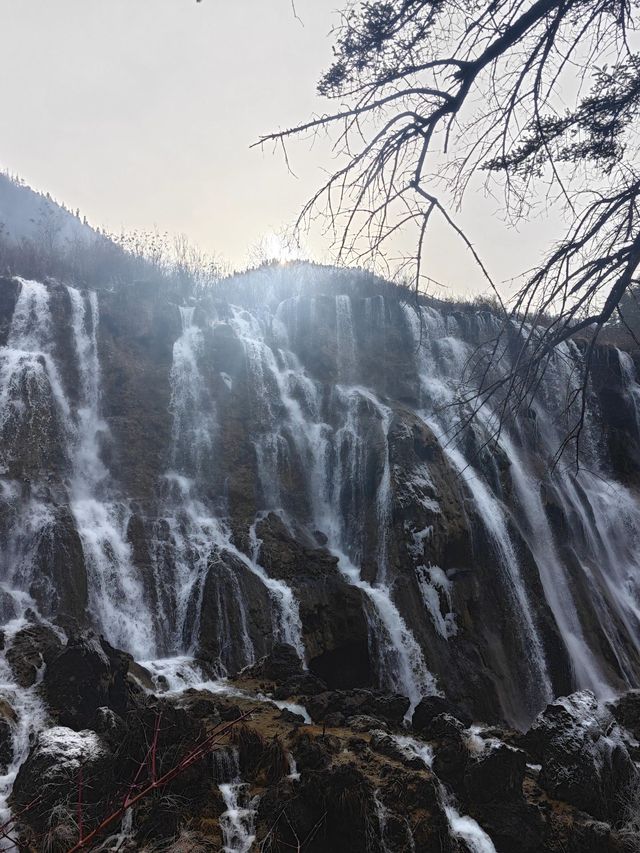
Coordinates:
141 113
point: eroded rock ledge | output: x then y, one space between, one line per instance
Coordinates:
356 778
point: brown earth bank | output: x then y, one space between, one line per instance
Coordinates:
153 771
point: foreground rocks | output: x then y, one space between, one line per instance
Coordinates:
355 779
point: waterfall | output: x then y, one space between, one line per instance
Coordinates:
238 821
461 826
28 365
30 716
402 666
343 401
116 595
31 385
553 575
198 529
486 504
287 613
468 830
345 340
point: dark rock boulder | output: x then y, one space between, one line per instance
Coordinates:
86 675
49 776
8 720
281 664
584 759
306 684
496 774
228 585
32 648
390 707
364 723
384 744
332 611
450 760
110 726
443 727
430 707
514 826
626 710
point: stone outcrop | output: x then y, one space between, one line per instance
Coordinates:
87 675
31 649
333 612
584 759
343 784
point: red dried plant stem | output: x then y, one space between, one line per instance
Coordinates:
79 809
192 757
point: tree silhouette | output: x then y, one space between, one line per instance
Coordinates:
433 95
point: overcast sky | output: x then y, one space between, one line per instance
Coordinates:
141 113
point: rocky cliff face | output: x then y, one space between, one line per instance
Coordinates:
273 465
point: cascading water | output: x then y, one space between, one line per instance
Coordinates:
116 594
28 716
326 377
439 394
401 664
461 826
589 499
198 528
237 822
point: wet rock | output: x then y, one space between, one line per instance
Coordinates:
496 774
584 759
227 585
332 611
406 793
300 685
50 774
135 338
60 587
290 717
8 720
450 761
432 706
364 723
32 648
514 826
85 676
390 707
142 676
281 664
386 745
626 710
